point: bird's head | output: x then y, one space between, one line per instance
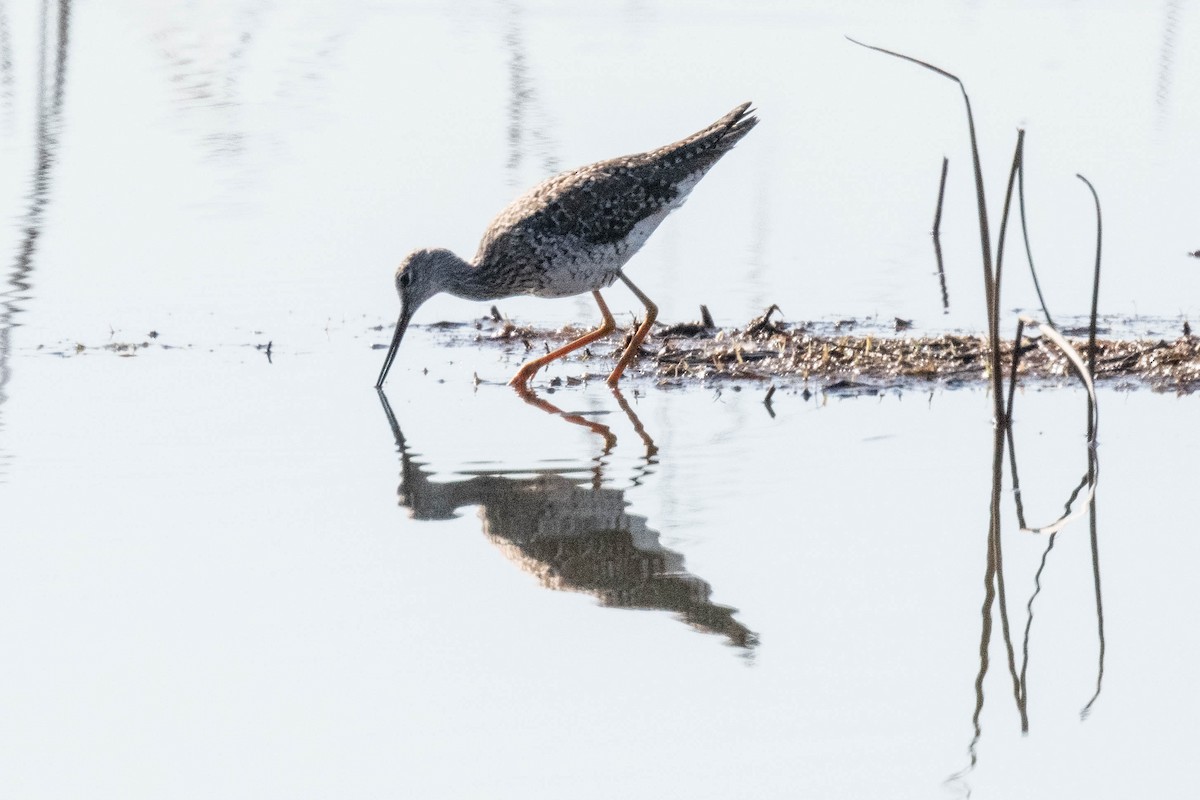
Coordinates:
422 274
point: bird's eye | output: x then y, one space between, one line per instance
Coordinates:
405 279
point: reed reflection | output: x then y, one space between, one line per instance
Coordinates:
242 79
995 597
572 533
1166 58
937 236
524 134
54 36
6 69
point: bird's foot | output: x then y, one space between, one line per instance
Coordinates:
521 380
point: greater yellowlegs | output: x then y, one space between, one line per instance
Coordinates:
572 234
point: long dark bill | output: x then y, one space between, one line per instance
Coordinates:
401 325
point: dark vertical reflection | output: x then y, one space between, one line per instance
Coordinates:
51 85
937 235
1095 545
573 535
1166 57
993 585
941 270
522 101
232 140
994 582
232 75
994 593
1037 589
6 68
518 88
205 75
1088 481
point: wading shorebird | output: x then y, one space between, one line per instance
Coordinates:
571 234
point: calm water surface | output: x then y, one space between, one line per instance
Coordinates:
239 574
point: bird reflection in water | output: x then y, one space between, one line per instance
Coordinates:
573 535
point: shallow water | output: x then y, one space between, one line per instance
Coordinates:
240 573
242 586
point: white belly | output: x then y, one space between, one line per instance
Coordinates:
593 267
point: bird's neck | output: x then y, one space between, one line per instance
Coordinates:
464 279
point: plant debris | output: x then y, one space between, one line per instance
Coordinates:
770 350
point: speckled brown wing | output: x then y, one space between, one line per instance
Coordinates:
593 213
601 203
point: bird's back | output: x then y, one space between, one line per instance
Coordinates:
597 216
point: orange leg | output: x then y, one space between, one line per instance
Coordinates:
639 335
529 369
638 427
598 428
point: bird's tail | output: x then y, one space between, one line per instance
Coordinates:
703 149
